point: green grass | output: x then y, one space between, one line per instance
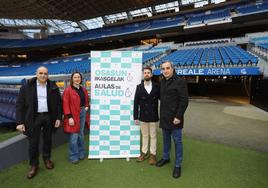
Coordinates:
6 134
206 165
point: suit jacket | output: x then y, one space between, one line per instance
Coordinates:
27 105
173 101
146 105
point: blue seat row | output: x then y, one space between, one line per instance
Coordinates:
8 111
203 18
207 57
246 9
8 99
263 45
55 66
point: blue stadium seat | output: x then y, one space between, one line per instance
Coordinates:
210 57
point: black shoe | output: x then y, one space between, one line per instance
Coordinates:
177 172
161 162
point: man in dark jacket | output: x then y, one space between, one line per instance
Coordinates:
38 109
146 111
173 103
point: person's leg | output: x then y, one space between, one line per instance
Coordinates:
166 143
177 137
34 139
34 148
153 137
81 145
73 148
47 137
153 142
166 148
145 136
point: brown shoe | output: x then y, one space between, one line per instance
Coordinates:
142 157
49 164
152 159
32 172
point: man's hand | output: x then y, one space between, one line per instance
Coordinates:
57 124
71 121
21 127
137 122
176 121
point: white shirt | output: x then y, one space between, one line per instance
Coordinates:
41 97
148 86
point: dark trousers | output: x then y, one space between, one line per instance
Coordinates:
42 123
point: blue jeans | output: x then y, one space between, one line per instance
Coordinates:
177 138
76 140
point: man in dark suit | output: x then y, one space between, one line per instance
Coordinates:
146 111
173 103
38 109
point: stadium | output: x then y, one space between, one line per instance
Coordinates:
220 47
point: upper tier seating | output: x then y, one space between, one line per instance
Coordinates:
210 57
247 9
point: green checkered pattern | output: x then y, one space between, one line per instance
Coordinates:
113 133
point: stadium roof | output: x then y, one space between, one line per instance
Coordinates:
77 15
69 9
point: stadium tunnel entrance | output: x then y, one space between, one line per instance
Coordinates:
241 85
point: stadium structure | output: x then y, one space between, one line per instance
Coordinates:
220 47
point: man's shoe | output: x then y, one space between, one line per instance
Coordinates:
152 159
49 164
161 162
142 157
177 172
32 172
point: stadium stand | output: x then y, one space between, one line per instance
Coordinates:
8 107
207 17
56 66
225 56
248 9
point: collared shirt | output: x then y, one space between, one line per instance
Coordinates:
148 86
41 97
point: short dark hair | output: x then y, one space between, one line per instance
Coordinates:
167 61
147 68
71 81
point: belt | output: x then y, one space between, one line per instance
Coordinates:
42 113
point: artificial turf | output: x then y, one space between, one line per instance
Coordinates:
205 165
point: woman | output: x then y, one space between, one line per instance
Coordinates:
75 107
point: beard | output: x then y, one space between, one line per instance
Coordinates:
147 79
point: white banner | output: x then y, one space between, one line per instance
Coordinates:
114 76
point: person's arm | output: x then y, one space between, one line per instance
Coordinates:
59 116
87 99
59 110
183 98
66 106
136 106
